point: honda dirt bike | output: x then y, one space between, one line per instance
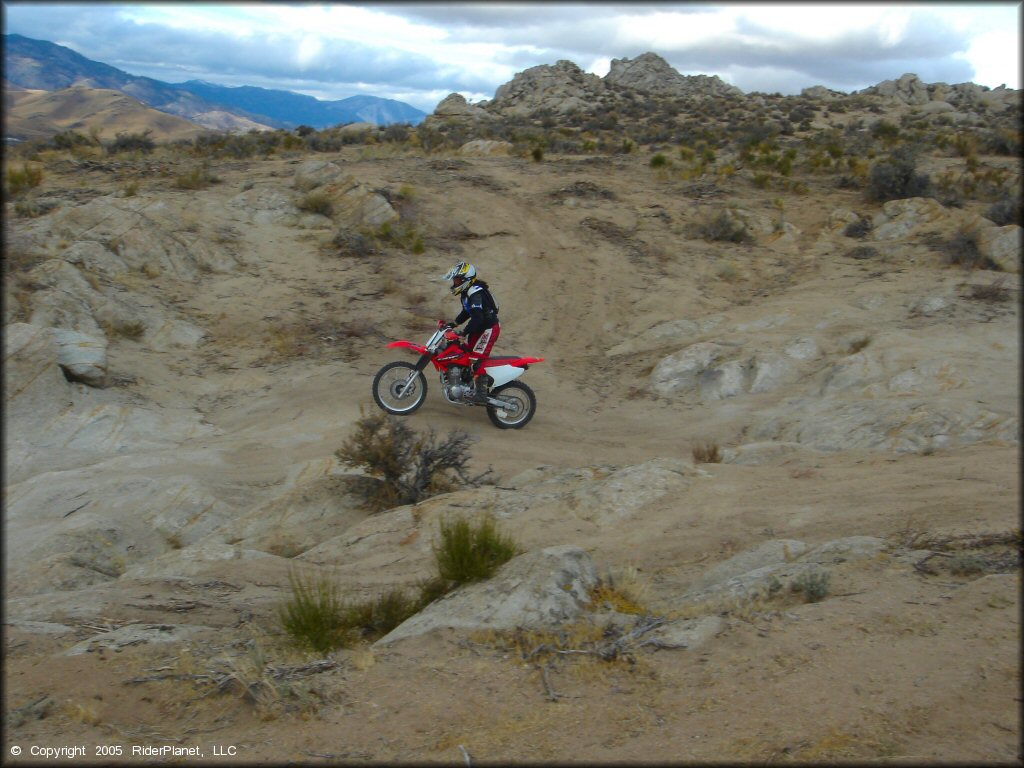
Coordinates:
400 387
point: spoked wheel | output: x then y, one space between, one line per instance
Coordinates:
520 405
399 388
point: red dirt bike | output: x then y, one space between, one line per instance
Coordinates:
400 387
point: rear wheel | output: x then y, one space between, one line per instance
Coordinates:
520 404
390 390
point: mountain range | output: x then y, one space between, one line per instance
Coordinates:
41 65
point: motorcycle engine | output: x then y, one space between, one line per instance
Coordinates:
457 384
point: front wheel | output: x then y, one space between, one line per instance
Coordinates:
399 388
519 407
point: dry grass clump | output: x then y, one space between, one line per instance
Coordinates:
316 202
707 452
198 178
621 590
995 292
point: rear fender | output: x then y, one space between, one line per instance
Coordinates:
503 373
521 362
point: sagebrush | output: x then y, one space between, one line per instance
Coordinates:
408 466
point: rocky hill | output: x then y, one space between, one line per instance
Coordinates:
767 509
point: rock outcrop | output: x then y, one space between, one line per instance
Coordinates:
559 88
912 91
650 73
454 109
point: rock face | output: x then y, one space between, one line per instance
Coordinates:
650 73
772 565
545 589
560 88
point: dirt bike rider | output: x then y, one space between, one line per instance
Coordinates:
479 307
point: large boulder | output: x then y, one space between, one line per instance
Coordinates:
357 205
901 218
82 358
999 245
455 109
314 173
545 589
682 370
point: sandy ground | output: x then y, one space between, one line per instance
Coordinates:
905 662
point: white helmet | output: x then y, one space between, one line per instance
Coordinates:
462 276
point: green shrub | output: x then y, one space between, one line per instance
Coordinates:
353 244
312 616
1006 211
132 142
723 227
70 140
896 177
967 564
410 466
21 181
374 618
814 585
963 251
659 161
858 228
472 552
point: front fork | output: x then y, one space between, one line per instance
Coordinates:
418 369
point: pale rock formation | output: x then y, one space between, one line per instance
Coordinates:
560 88
545 589
650 73
485 148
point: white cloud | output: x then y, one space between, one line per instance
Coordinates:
996 58
434 48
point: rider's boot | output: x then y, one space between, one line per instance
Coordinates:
480 385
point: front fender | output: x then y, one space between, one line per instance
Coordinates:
417 348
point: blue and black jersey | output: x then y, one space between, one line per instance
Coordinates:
479 307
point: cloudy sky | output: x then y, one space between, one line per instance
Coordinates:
421 52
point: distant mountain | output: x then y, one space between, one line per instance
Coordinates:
294 109
42 65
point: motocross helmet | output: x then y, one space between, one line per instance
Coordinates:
462 276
